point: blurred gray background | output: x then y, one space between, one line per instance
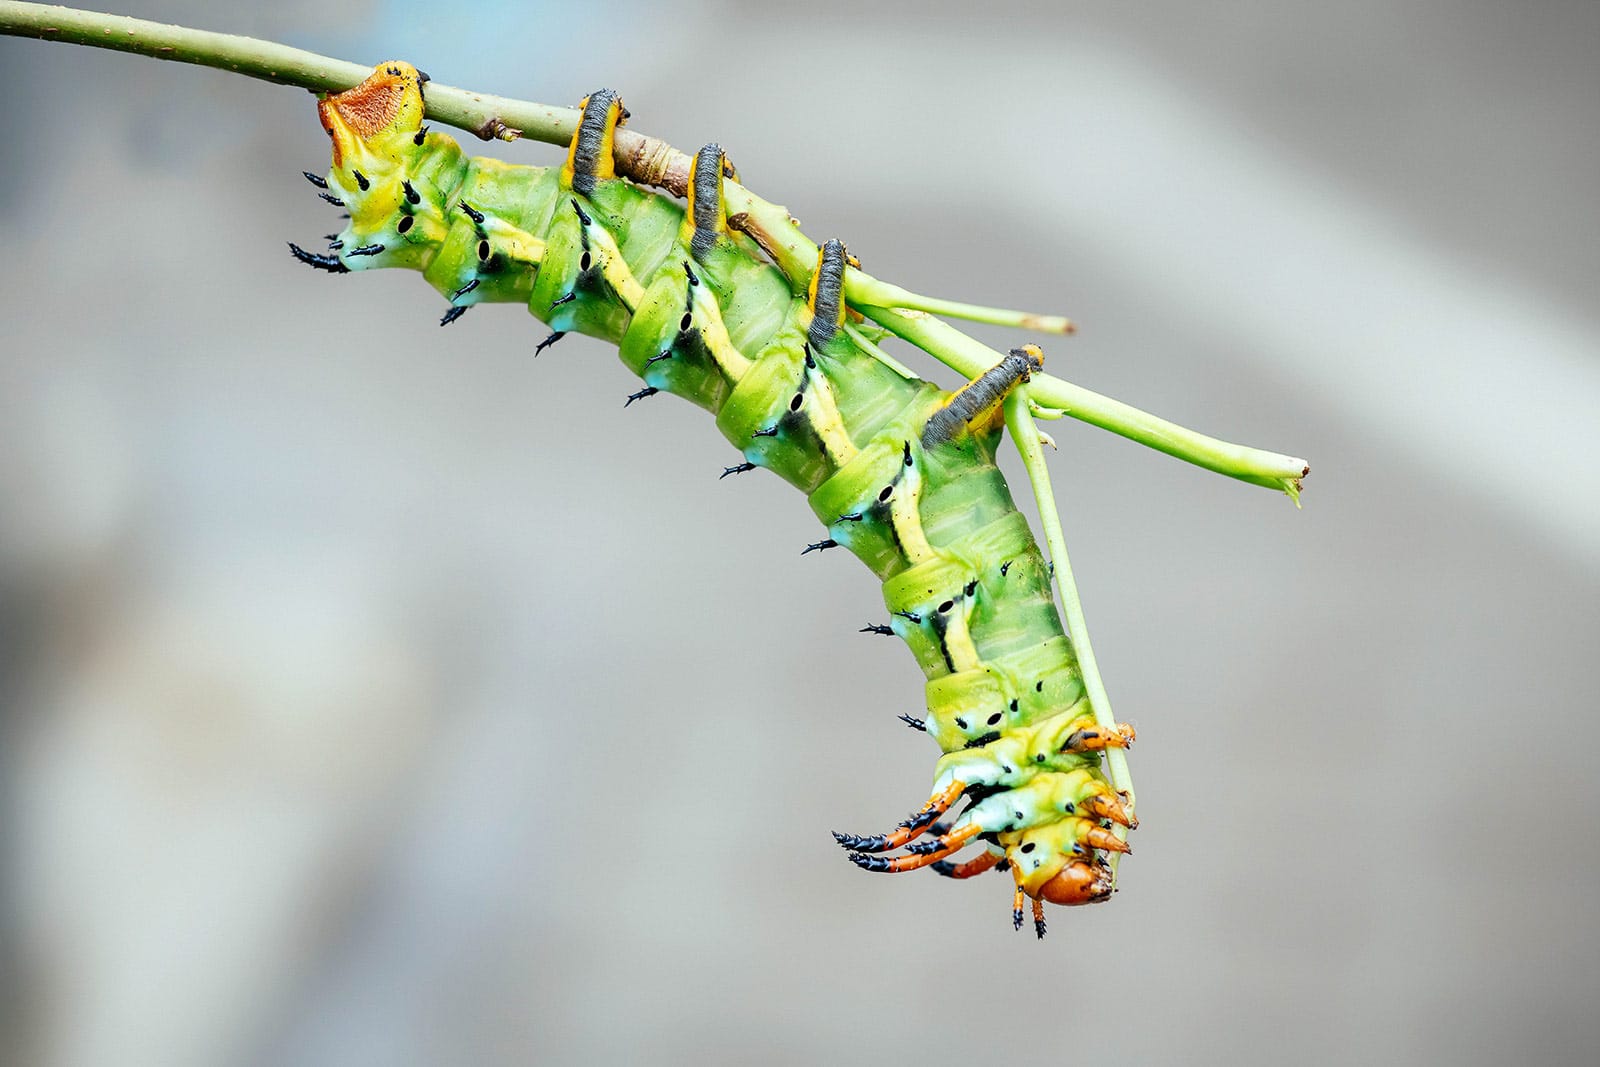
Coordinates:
378 694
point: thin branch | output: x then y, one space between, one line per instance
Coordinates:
651 161
1025 434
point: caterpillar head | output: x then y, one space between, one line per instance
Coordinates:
375 122
1054 864
1078 882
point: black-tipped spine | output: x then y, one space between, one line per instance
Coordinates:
331 264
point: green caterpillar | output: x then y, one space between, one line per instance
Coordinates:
900 472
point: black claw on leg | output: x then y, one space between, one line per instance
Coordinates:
331 264
875 843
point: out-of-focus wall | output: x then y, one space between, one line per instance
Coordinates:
378 694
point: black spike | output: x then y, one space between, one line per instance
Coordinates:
870 863
1016 918
471 213
820 546
1038 925
335 244
739 468
771 431
919 819
879 628
912 721
464 290
853 516
453 314
330 198
926 846
411 192
648 390
365 250
1005 567
585 219
558 301
909 616
361 180
420 136
315 179
693 280
874 843
331 264
658 357
549 341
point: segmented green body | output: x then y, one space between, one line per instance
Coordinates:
697 310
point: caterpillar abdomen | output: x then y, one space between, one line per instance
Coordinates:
900 472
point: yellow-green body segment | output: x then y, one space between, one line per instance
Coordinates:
697 310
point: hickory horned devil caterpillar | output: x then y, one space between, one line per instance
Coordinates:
900 472
725 303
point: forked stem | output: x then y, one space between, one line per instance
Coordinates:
1025 433
654 162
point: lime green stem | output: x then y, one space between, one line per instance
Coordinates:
1025 433
654 162
865 289
971 358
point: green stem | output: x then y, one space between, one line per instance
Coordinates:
654 162
971 358
1025 433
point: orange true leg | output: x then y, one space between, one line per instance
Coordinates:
926 853
1109 807
986 862
1120 736
907 831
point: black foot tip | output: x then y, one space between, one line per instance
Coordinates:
331 264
